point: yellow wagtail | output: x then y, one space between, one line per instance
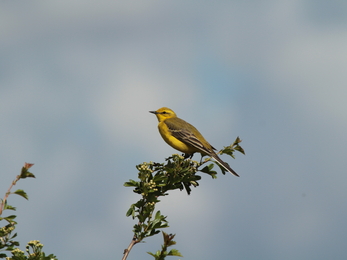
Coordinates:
184 137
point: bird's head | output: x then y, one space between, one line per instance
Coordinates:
164 113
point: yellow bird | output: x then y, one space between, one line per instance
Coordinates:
184 137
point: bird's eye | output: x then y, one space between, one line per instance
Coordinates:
164 112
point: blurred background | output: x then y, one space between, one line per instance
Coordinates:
77 79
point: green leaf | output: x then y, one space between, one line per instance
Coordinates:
222 169
15 234
131 211
6 206
159 178
131 183
21 193
240 149
158 215
9 207
11 217
26 174
206 169
175 252
228 150
237 147
157 224
15 243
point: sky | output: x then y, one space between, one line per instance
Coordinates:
77 79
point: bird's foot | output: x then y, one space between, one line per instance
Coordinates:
186 156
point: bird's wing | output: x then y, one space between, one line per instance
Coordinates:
184 133
186 136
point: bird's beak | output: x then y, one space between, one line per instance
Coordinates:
154 112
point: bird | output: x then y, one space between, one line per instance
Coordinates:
184 137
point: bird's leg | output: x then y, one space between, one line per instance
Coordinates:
186 155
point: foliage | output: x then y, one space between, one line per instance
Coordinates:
168 241
7 242
155 180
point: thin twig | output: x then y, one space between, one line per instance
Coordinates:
2 205
25 168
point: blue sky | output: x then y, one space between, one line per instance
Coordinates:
77 79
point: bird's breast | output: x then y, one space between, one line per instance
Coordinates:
173 141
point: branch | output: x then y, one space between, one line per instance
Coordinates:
3 202
127 251
24 174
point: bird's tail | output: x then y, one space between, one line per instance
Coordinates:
224 164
